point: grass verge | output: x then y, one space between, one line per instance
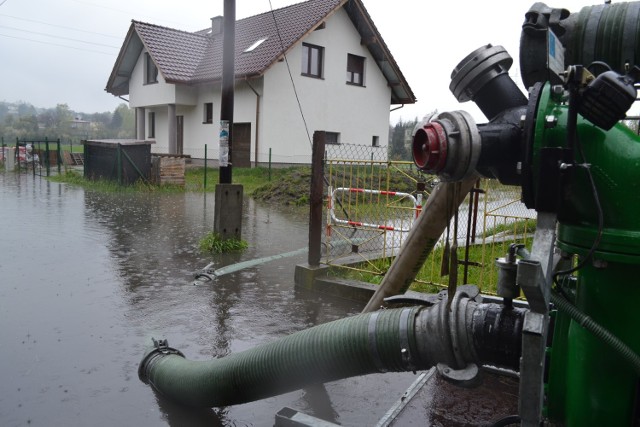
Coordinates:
429 279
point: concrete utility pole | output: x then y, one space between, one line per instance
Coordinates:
227 95
228 199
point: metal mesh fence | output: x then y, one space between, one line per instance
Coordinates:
491 218
372 203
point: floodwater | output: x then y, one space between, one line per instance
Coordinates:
87 278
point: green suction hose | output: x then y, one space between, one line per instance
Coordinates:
363 344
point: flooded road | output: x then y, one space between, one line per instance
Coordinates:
86 278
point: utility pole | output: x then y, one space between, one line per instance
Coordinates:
228 197
227 94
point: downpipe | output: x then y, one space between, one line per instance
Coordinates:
393 340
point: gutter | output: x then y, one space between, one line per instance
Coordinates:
255 157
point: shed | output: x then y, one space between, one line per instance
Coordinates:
121 160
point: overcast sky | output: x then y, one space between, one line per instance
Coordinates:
62 51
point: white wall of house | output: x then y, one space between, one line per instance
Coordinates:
357 113
197 133
142 95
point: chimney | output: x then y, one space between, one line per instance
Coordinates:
216 26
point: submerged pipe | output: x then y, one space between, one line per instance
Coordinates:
395 340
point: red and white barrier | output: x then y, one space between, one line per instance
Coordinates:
331 202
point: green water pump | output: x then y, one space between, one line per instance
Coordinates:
578 164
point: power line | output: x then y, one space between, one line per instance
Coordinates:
125 12
58 37
60 26
286 61
56 44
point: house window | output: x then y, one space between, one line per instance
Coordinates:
312 60
152 125
332 138
151 71
375 141
355 70
208 112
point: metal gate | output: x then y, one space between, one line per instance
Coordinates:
371 205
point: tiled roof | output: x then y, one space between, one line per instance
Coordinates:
175 53
293 22
183 57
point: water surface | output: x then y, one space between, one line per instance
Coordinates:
87 277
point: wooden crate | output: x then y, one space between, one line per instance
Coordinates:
167 170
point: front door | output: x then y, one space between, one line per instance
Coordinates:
241 149
180 134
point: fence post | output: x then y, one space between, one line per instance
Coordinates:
119 163
59 156
269 164
47 159
316 199
17 153
205 167
33 158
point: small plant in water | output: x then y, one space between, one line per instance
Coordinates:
213 243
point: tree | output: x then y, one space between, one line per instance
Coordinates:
633 125
48 119
26 126
400 140
26 109
126 128
4 110
116 120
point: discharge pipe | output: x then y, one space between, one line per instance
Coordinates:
422 238
394 340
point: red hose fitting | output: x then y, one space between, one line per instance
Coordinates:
430 148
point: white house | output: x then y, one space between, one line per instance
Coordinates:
321 60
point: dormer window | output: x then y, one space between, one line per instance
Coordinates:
151 71
254 45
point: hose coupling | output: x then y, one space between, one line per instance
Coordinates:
160 349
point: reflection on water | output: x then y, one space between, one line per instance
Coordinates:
86 278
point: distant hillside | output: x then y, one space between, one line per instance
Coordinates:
25 121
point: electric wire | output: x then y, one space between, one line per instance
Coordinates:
573 138
600 64
58 37
284 55
304 120
600 213
60 26
55 44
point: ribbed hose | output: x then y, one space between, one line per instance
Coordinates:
589 324
363 344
